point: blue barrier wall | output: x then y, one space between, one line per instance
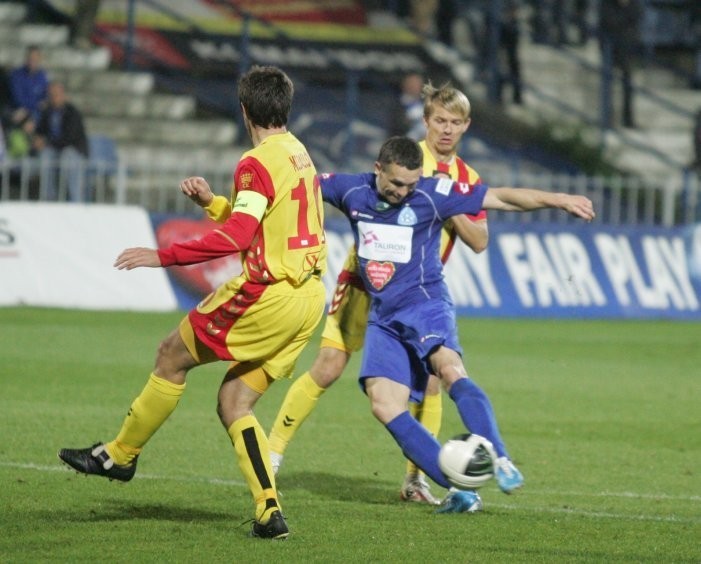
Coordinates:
549 271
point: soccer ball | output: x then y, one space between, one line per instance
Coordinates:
467 461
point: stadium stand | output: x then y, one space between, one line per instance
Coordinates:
173 112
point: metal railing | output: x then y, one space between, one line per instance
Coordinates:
618 200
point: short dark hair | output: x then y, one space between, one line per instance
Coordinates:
266 94
401 151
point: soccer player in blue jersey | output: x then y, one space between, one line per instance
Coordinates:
446 114
396 217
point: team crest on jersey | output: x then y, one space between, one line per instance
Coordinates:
407 217
379 273
245 181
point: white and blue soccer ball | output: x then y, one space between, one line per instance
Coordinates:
467 461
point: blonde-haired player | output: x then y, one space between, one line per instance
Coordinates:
447 118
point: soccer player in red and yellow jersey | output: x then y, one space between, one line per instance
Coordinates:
258 321
447 118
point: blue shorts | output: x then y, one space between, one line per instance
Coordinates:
398 348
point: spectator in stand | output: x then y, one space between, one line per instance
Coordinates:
423 16
5 102
5 96
19 137
540 21
510 72
408 116
2 143
62 144
582 11
561 19
17 124
446 13
619 36
431 18
28 87
84 23
475 16
697 142
696 31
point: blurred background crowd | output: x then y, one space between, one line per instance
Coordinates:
114 100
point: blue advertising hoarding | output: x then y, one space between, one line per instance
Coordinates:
541 270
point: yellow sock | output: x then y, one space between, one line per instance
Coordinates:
146 414
253 455
299 402
429 414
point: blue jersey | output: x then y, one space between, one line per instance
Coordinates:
411 312
398 246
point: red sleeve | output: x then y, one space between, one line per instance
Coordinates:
250 174
236 234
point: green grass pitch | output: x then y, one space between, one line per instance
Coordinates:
602 417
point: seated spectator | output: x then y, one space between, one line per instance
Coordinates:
28 87
15 143
18 135
62 144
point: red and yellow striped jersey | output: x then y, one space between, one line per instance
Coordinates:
459 171
289 242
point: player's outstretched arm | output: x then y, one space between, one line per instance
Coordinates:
136 257
528 199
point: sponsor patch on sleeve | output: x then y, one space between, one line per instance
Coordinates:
443 186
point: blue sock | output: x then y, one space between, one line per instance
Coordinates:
418 445
476 412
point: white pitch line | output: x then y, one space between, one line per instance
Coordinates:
555 510
141 476
598 514
632 495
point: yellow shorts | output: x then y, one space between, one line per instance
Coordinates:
348 313
246 322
